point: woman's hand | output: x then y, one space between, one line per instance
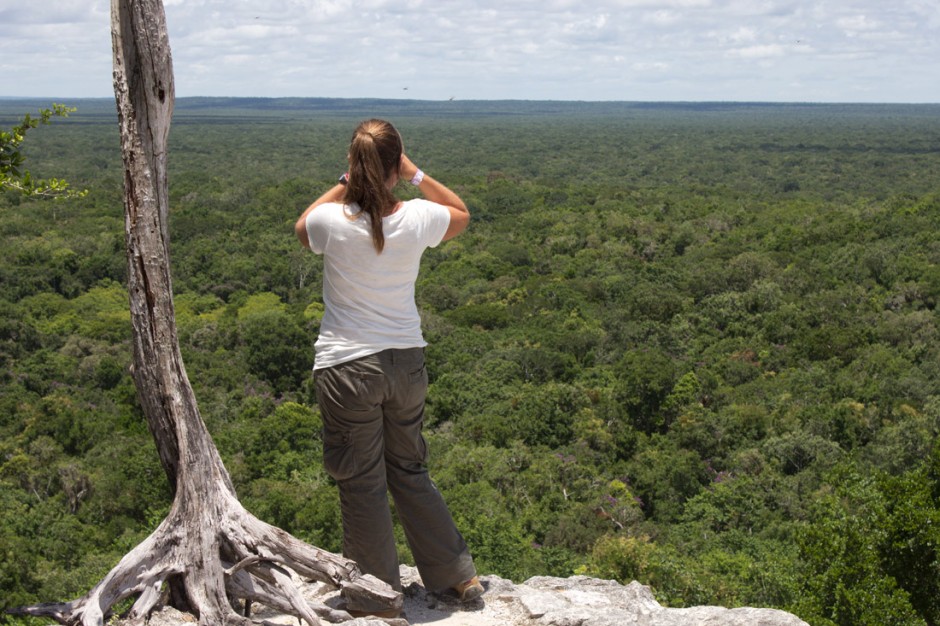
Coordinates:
407 169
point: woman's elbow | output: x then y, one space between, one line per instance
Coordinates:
459 220
300 229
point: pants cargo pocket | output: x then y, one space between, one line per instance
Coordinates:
339 455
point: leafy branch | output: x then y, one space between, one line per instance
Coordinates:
12 174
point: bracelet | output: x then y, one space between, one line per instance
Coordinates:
417 178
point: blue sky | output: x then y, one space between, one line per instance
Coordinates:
635 50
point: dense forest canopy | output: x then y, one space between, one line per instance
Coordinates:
691 344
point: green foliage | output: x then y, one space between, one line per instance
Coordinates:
844 551
276 347
910 549
646 378
286 442
694 345
12 174
500 542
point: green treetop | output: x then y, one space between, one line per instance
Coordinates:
12 174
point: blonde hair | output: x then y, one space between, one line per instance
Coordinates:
374 155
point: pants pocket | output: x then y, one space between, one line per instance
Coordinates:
339 455
419 376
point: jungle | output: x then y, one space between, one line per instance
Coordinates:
695 345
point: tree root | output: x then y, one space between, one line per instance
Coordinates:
262 573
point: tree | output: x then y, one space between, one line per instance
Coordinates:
209 551
12 174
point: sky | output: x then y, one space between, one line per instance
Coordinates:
626 50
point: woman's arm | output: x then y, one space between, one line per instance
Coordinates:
300 228
436 191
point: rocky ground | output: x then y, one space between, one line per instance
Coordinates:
539 601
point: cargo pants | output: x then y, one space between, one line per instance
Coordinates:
373 412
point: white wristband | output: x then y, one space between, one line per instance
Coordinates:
417 178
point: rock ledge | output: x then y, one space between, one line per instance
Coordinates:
539 601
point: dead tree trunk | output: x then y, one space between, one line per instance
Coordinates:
209 550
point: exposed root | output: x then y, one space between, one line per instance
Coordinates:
286 585
215 588
251 560
255 589
58 611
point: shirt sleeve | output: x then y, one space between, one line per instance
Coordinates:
318 227
435 220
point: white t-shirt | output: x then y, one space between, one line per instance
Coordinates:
369 297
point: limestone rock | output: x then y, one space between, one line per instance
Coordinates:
583 601
539 601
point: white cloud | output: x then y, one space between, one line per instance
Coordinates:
857 23
680 4
662 17
650 66
758 52
743 34
681 49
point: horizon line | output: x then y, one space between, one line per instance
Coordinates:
483 100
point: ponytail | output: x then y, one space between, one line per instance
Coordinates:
374 155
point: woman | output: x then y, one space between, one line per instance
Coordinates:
369 368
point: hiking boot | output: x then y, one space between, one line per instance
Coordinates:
469 590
